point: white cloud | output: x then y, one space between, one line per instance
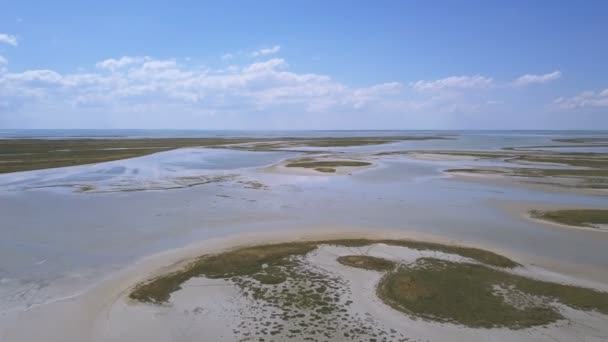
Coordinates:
536 79
36 77
586 99
3 61
266 51
113 64
454 82
139 91
271 64
137 82
8 39
227 56
363 96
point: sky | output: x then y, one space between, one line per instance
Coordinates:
304 64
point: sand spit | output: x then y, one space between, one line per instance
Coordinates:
215 309
524 210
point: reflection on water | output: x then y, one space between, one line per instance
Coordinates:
159 170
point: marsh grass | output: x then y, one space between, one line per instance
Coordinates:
327 164
465 293
277 280
241 262
573 217
367 262
33 154
486 171
325 169
250 261
582 140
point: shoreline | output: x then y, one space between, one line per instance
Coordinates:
522 209
92 307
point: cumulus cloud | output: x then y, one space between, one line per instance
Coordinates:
113 64
8 39
141 91
133 81
586 99
454 82
529 79
266 51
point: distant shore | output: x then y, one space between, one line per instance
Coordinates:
34 154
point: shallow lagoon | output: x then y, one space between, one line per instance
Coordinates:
58 241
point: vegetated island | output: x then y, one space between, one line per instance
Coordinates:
588 218
296 297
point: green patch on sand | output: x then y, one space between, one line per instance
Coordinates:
481 297
328 164
367 262
34 154
474 154
246 261
278 279
481 255
250 261
594 140
325 169
573 217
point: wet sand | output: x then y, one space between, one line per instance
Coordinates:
214 309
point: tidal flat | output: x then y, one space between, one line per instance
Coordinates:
226 241
34 154
590 218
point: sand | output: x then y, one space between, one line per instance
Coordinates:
522 209
214 310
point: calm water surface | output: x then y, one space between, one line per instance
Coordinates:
56 242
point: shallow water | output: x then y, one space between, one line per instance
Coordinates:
57 241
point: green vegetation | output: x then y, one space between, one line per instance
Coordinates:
253 185
254 261
367 262
241 262
325 169
481 255
587 170
583 140
327 164
574 217
33 154
587 160
475 154
278 280
487 171
362 141
481 297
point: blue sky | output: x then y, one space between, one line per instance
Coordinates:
304 64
